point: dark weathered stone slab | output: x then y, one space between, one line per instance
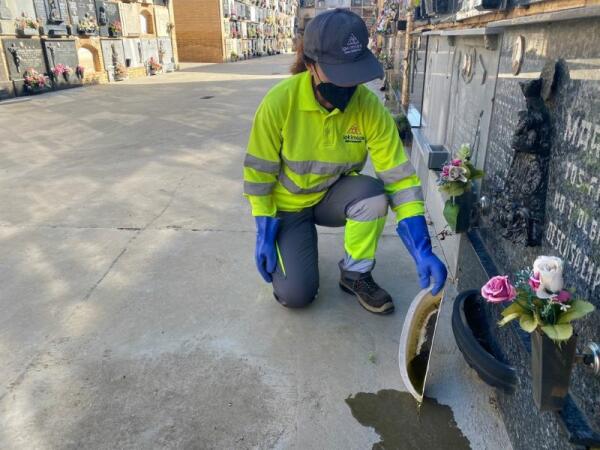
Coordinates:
64 52
107 14
82 11
54 15
571 227
12 9
21 55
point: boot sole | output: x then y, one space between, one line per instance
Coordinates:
386 308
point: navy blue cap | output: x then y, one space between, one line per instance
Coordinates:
338 41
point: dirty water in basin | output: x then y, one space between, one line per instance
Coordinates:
403 425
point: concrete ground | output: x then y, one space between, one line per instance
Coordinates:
132 315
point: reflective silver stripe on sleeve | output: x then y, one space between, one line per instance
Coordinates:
413 194
397 173
287 183
251 188
260 164
322 168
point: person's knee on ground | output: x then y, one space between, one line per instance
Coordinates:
295 295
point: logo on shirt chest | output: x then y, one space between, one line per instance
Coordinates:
353 135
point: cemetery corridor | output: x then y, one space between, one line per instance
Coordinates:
132 313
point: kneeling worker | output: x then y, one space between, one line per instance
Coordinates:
310 139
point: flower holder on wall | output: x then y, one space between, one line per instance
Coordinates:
456 182
457 212
543 308
551 366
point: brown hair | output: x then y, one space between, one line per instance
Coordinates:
301 60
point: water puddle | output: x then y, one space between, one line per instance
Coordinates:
403 425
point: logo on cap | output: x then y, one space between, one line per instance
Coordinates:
352 46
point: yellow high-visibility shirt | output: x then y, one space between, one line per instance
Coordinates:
297 150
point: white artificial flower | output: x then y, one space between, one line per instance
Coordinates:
457 174
549 271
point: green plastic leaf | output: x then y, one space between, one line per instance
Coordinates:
578 309
509 318
528 322
477 174
513 308
463 152
559 332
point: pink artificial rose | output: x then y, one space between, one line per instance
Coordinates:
534 281
499 290
563 296
456 162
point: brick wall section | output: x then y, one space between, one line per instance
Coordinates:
198 24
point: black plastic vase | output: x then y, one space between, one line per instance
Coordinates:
457 212
551 366
475 341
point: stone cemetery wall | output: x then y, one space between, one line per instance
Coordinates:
109 19
528 103
133 52
84 21
149 49
62 53
22 55
89 52
10 10
113 53
563 191
54 15
165 54
71 33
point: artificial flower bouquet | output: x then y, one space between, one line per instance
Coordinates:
61 70
115 28
24 22
154 65
457 177
87 25
121 71
537 299
34 80
456 181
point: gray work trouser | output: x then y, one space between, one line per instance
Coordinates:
355 197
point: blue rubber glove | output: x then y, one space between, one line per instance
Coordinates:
266 251
413 232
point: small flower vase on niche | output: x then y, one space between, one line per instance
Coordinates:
551 366
457 212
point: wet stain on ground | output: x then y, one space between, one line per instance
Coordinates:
403 425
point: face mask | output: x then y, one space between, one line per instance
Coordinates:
338 96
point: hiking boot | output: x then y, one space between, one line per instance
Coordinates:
370 296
